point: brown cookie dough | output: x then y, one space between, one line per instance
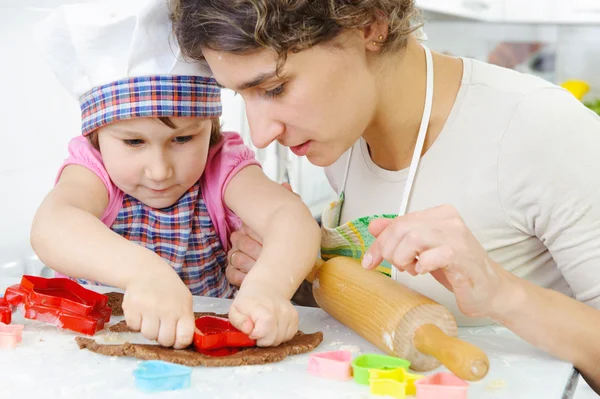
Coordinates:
115 302
301 343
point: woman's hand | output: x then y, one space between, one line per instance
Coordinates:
438 242
245 250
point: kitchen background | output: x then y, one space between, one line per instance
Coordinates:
558 40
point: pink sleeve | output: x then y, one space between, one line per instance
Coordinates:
224 161
82 153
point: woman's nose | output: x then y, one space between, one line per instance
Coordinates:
264 129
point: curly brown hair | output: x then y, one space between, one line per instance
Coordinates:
244 26
215 132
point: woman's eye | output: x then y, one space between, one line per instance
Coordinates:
276 92
182 139
134 142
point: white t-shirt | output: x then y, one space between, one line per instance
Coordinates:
519 158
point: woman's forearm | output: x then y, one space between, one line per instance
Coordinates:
76 243
557 324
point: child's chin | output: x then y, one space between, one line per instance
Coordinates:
160 203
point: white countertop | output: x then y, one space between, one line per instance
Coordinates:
49 364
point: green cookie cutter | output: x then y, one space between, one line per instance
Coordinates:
362 365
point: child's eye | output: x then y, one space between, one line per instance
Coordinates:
133 142
276 92
182 139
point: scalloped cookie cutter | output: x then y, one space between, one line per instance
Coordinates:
363 364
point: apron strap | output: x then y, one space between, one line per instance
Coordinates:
422 133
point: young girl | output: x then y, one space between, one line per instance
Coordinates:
492 174
149 194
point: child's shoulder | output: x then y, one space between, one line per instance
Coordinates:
230 149
80 147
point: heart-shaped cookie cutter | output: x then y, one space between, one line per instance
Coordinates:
5 311
10 335
158 376
216 336
442 385
363 364
397 383
60 301
336 365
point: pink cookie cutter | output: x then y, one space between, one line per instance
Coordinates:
441 385
10 335
335 365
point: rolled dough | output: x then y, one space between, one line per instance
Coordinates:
301 343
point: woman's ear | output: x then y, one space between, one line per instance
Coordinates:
375 35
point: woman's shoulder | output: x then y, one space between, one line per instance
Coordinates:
502 80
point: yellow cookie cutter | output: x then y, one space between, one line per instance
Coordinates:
397 383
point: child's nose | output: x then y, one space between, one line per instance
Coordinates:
160 169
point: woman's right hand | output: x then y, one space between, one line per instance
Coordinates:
159 305
245 250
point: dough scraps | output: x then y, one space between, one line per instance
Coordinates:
115 303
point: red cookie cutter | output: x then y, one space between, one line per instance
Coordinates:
5 311
60 301
215 336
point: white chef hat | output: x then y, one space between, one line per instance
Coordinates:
119 59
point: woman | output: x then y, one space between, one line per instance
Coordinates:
491 173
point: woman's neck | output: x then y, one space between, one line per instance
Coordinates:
392 134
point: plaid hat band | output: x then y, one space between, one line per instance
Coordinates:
150 96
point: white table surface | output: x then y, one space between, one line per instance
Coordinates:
49 364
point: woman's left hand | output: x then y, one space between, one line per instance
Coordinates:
438 242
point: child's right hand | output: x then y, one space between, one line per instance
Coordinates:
159 304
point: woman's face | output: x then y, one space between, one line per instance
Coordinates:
321 103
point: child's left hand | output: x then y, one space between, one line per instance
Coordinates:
262 313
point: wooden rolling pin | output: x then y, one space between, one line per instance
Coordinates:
396 319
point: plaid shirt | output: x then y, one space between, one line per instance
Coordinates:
184 236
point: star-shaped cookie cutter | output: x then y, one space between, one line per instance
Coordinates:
335 365
397 383
10 335
158 376
60 301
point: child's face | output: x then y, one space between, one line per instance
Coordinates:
153 162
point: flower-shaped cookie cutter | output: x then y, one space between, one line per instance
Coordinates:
5 311
60 301
216 336
336 365
10 335
397 383
158 376
363 364
442 385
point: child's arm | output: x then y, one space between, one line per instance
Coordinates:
291 239
68 236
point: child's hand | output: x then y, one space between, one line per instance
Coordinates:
264 314
158 304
